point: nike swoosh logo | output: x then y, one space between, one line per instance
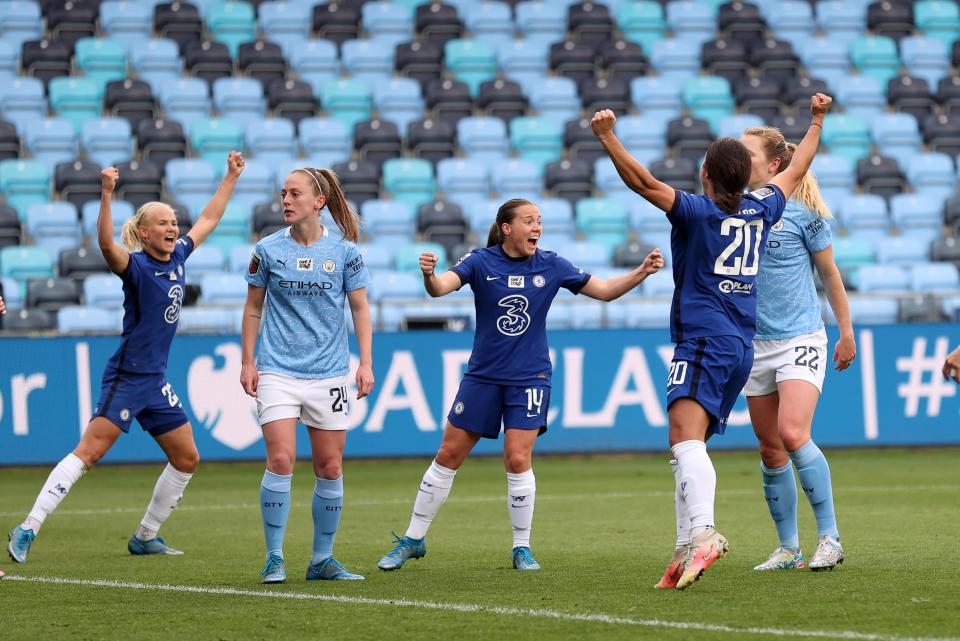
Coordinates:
529 415
160 274
492 277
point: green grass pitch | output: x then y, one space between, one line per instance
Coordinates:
603 533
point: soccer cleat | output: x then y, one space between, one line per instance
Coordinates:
829 554
19 543
782 559
672 574
331 570
403 549
153 546
523 559
274 570
704 551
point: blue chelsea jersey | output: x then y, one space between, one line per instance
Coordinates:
303 332
152 295
512 297
716 257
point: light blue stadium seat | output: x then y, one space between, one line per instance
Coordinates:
232 23
850 253
282 20
407 258
830 57
24 182
555 98
13 294
50 141
647 218
792 21
212 139
54 226
932 173
9 61
239 258
675 58
517 178
271 139
875 56
76 99
659 284
606 178
378 256
692 22
491 22
409 180
192 181
873 311
107 141
917 215
126 22
369 61
541 21
733 126
834 173
846 135
327 138
585 254
399 100
482 213
316 62
709 98
897 135
941 278
483 137
463 180
120 211
185 100
155 61
387 22
900 250
239 99
865 215
205 320
20 21
938 19
392 285
101 59
882 279
22 101
861 95
557 215
841 21
347 100
388 219
657 96
83 319
470 61
537 139
205 259
26 262
561 314
647 314
645 137
603 220
223 289
925 57
641 22
587 314
524 61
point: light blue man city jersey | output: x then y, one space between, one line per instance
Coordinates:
303 332
787 303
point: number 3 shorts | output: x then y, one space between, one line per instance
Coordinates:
799 358
319 403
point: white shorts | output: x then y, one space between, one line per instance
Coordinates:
319 403
800 358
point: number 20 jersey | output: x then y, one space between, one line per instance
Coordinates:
716 257
512 297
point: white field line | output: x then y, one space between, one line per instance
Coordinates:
556 615
492 499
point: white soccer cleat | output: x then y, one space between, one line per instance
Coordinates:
829 554
782 559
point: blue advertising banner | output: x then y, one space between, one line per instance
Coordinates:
608 394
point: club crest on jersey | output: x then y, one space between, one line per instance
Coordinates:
539 280
777 226
516 282
735 287
763 192
458 407
124 414
329 266
304 264
254 266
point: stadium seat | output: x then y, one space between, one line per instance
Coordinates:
378 256
557 215
733 126
80 262
880 175
536 139
623 60
873 311
407 257
938 19
262 61
897 135
24 263
185 100
437 23
641 22
523 61
29 320
470 61
918 215
829 56
193 181
257 185
377 140
126 22
539 21
691 22
12 294
42 59
239 258
690 137
491 22
399 100
271 140
76 99
860 96
83 319
22 101
483 138
875 56
932 174
50 141
130 99
120 211
882 279
285 20
107 141
846 136
206 320
925 57
900 250
53 226
569 179
639 314
292 99
101 59
326 138
212 139
346 100
865 215
792 21
603 220
675 59
205 259
77 181
21 21
388 219
155 61
517 178
657 96
775 59
387 22
368 61
316 62
941 278
239 99
554 98
161 141
209 61
910 94
231 23
223 289
180 22
392 285
502 99
360 179
23 183
585 254
462 180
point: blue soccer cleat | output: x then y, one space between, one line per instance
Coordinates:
331 570
523 559
274 570
153 546
403 549
19 545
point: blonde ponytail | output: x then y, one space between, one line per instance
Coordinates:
130 232
776 147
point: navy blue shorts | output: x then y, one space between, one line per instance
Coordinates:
149 398
711 371
482 407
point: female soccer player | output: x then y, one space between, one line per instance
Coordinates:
134 382
302 364
508 376
717 241
790 355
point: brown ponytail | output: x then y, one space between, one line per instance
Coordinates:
727 164
505 215
327 184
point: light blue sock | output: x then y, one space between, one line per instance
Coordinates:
327 503
274 508
780 490
814 475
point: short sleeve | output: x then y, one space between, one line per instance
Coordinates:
817 235
683 210
257 271
770 197
571 277
464 268
184 247
355 274
132 274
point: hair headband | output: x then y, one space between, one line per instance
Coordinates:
315 179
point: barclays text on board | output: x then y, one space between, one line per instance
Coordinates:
608 394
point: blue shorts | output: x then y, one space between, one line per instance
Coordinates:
712 371
149 398
482 407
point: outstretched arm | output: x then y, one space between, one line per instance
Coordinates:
614 288
213 212
437 285
789 178
634 174
116 255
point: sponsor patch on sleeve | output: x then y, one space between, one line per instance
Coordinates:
815 227
254 263
762 193
463 258
356 264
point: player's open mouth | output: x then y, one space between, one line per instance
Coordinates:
532 242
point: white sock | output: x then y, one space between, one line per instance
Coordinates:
698 483
67 472
683 519
521 496
166 495
434 490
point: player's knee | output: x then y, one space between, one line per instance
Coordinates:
186 462
516 462
448 458
280 463
89 456
794 434
328 470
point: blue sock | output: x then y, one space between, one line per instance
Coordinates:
327 503
274 508
814 475
780 490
